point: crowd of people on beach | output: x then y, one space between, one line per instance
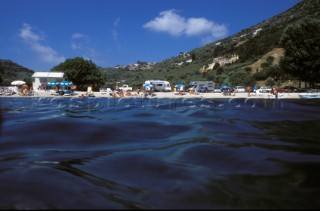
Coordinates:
128 93
6 91
43 90
23 91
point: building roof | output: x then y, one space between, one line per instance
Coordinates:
48 75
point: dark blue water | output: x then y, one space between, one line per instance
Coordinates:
107 153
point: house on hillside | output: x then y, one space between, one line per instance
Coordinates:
39 78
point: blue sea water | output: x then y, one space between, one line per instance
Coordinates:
150 153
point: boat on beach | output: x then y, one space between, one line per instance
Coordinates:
309 95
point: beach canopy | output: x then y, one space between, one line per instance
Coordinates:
179 85
17 83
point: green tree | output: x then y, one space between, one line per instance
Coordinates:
1 73
248 69
211 76
81 72
220 70
270 81
302 51
270 59
242 77
273 71
223 79
193 56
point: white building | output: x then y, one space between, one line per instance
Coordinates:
41 77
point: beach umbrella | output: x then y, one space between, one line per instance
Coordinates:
52 83
225 87
65 83
179 85
17 83
148 85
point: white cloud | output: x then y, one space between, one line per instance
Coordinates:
78 36
168 21
75 46
45 53
27 34
197 26
174 24
116 22
80 43
114 34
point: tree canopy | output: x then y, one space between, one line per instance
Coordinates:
1 71
241 77
302 51
81 72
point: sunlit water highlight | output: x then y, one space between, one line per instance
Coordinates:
107 153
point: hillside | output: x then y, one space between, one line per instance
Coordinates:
276 53
11 71
246 49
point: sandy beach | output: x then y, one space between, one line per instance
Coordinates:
171 95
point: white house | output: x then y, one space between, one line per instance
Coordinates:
41 77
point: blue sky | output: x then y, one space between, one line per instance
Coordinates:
40 34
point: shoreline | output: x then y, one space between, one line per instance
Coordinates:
171 95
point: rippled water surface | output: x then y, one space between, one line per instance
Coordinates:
106 153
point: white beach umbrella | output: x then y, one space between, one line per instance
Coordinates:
17 83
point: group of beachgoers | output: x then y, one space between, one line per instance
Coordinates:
23 91
128 93
6 91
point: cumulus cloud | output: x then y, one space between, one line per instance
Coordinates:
171 22
33 39
27 34
168 21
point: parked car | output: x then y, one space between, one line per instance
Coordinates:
192 88
289 89
264 89
125 87
203 89
239 89
104 90
217 89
